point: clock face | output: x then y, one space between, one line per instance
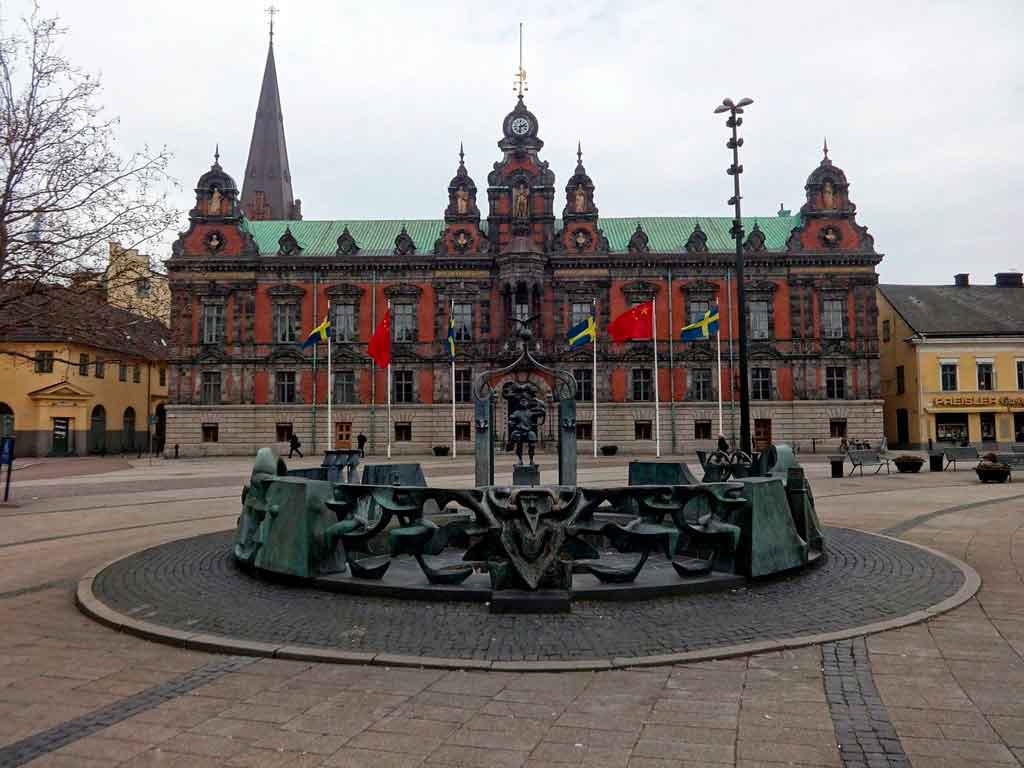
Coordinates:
520 126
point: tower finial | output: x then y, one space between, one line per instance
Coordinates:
216 154
579 152
271 13
461 154
520 78
824 148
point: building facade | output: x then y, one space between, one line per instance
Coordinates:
131 283
89 379
952 362
246 287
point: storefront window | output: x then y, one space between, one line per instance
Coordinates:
951 428
1018 427
988 427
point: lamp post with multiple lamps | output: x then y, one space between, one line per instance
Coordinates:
735 121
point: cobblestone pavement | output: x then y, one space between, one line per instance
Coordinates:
194 585
949 686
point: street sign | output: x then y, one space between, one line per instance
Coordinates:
6 451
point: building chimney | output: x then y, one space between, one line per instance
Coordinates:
1009 280
962 279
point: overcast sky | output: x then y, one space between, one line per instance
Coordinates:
922 104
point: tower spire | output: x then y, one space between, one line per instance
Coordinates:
267 187
824 148
461 155
520 77
579 152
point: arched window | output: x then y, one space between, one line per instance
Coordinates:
98 430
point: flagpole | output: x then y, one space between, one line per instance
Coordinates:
657 406
718 345
330 380
390 361
593 380
451 310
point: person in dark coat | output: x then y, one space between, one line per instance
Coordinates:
723 444
293 445
361 443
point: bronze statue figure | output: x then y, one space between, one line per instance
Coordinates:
525 415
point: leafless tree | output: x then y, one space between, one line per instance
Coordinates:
65 190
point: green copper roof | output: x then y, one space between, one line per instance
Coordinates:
377 236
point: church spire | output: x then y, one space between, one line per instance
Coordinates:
267 187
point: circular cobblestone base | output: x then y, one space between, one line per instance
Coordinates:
194 586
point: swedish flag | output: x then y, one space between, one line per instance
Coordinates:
451 336
583 333
703 328
318 334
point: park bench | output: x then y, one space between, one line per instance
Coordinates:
868 458
1015 459
960 453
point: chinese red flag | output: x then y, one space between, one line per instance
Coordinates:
379 347
635 323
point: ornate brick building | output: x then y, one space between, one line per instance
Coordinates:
249 279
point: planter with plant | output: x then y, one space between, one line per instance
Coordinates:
908 463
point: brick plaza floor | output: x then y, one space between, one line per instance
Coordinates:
74 693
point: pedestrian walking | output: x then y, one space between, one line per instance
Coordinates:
294 445
361 443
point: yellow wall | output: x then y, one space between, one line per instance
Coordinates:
74 396
924 398
125 267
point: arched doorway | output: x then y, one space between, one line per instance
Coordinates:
6 420
160 431
98 430
128 430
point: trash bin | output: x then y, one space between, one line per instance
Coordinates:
935 462
837 465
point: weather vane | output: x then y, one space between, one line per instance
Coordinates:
271 13
520 78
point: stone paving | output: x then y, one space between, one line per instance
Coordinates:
949 686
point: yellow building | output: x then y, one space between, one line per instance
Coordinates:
78 376
132 284
952 362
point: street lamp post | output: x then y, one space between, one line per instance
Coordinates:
735 121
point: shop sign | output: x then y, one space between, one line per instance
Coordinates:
978 401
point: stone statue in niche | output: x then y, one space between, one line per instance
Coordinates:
521 201
461 201
214 242
215 202
525 415
581 199
828 197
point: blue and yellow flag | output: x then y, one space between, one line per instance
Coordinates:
451 336
583 333
318 334
703 328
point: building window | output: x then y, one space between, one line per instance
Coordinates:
287 319
403 387
285 386
101 368
901 383
122 371
584 430
344 323
835 383
143 287
1020 374
702 429
213 323
462 433
761 383
136 374
463 314
211 433
643 430
284 431
985 376
83 364
832 318
886 331
837 427
403 432
759 320
697 310
579 313
404 319
948 375
701 389
463 385
44 361
210 392
345 386
522 309
642 386
584 383
163 377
